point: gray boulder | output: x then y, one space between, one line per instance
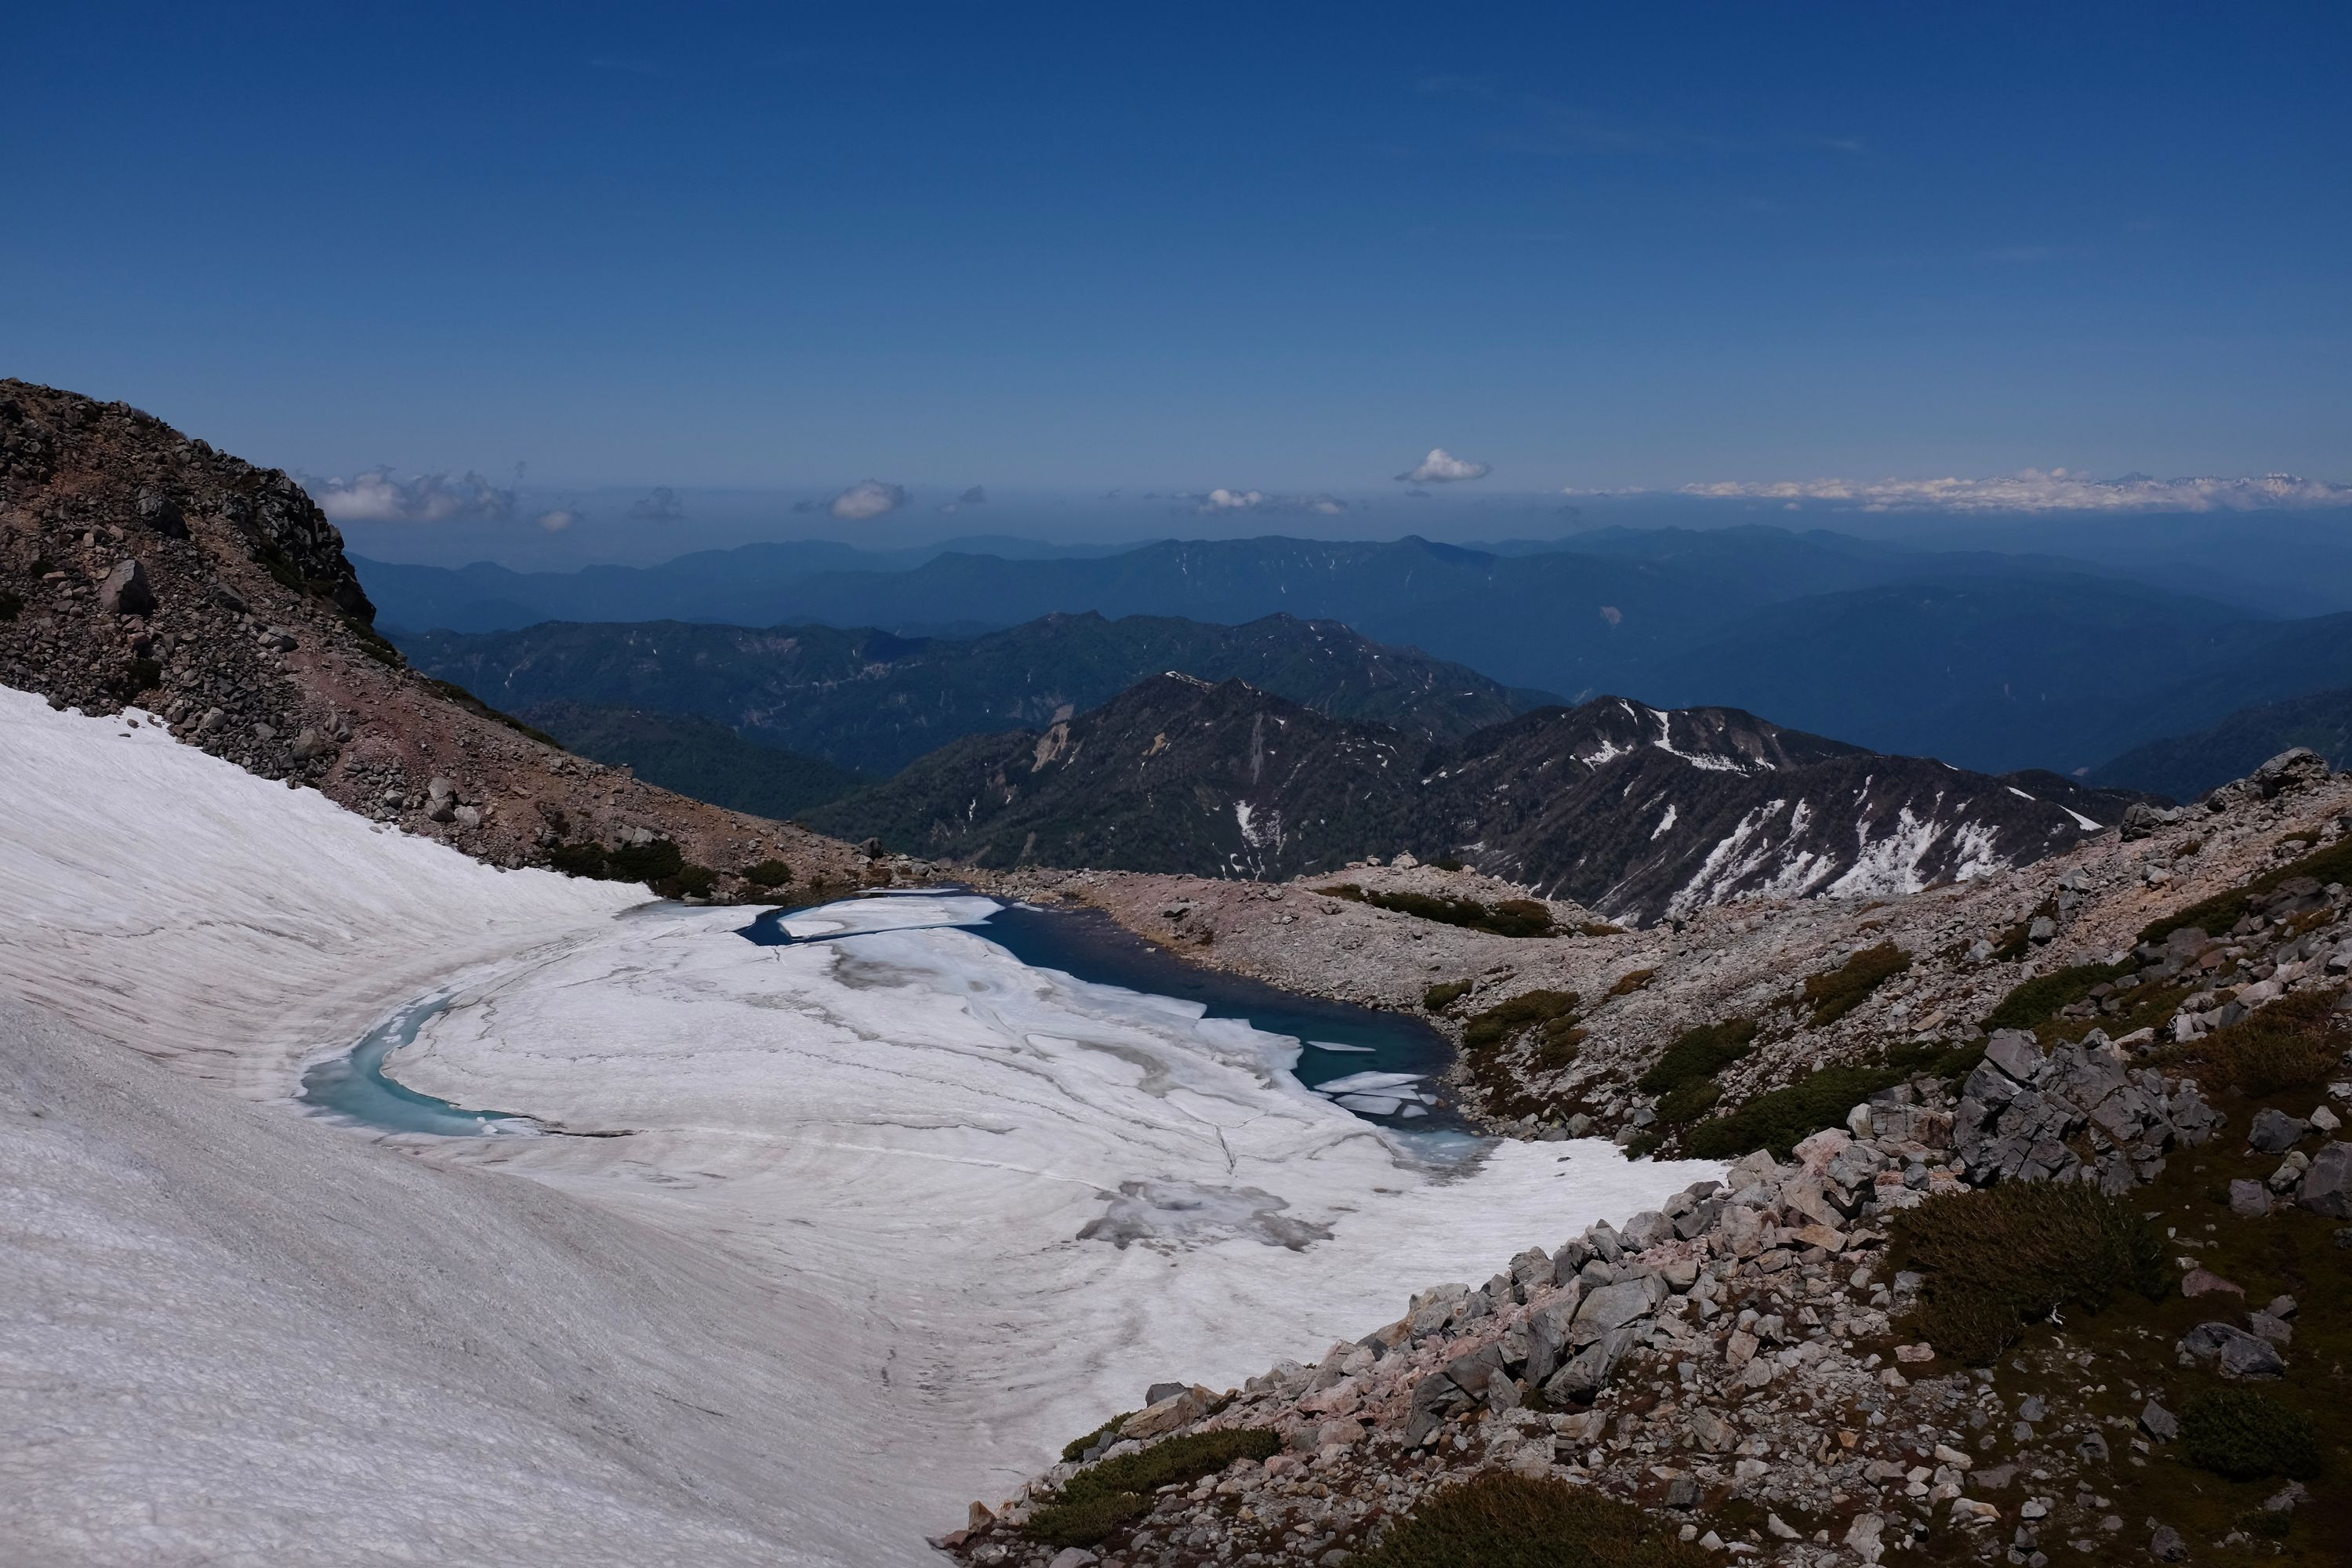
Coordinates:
2159 1423
1613 1306
1588 1373
126 592
1646 1230
2235 1353
2274 1132
2328 1186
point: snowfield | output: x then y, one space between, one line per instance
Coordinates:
896 1213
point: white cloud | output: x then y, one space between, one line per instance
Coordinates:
559 519
2053 489
375 496
1443 467
867 499
1258 500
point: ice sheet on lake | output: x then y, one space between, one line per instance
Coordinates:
1367 1080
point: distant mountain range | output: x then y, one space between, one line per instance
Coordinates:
872 701
697 758
1995 661
2186 766
1638 813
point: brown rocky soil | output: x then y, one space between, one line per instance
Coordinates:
139 567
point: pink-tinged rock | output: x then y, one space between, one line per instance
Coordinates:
1918 1352
1816 1151
2205 1282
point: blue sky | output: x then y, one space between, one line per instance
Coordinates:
1171 248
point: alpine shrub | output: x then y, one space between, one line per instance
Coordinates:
2001 1257
1786 1117
1844 988
2291 1044
2245 1436
1441 996
2030 1003
1699 1053
1099 1500
1504 1019
1498 1519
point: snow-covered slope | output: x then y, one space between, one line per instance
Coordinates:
172 901
858 1261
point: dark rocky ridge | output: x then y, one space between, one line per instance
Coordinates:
2184 766
1638 813
139 566
874 701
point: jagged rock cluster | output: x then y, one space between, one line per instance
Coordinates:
1732 1354
2021 1112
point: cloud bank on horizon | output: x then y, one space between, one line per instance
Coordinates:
375 496
2039 490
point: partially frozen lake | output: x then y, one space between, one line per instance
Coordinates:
1024 1193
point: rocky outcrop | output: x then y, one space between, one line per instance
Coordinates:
141 568
1728 1317
2078 1113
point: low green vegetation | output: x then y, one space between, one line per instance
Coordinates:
2032 1001
1511 916
1999 1259
1949 1062
1498 1519
2291 1043
658 863
1100 1499
1556 1049
1441 996
1531 1009
1073 1451
1786 1117
2246 1436
768 873
1681 1106
1832 996
2217 914
1699 1053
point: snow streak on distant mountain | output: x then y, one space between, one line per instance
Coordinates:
1638 812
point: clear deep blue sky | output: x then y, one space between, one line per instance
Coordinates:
1184 247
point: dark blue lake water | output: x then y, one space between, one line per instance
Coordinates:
1343 1042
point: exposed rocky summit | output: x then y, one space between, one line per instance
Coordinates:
141 568
1635 812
